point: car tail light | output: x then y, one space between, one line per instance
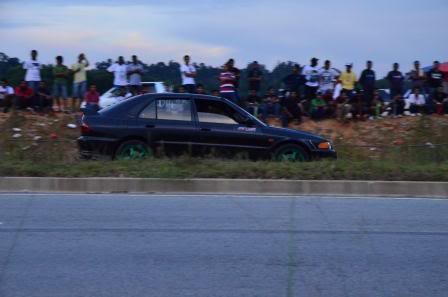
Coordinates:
85 128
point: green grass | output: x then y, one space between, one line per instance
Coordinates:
25 157
215 168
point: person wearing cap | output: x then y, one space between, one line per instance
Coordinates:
311 74
348 80
434 80
367 81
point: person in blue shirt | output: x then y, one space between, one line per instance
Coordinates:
367 81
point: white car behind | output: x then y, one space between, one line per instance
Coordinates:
115 95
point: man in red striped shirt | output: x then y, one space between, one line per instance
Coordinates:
227 82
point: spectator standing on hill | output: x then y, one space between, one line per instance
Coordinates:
135 73
367 81
33 67
293 81
291 109
24 96
348 80
396 81
417 76
311 73
328 78
188 74
270 105
254 77
227 84
6 95
120 71
434 80
418 102
237 73
92 98
43 98
253 102
79 81
60 78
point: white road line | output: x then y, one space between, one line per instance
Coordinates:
155 195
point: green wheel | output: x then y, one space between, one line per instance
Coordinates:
133 150
291 153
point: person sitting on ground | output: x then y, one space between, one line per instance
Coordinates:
6 95
418 103
318 109
92 98
200 89
291 110
253 102
270 105
343 107
331 103
440 102
359 106
24 96
44 100
215 93
376 106
397 106
181 89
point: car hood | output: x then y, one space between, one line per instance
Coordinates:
292 133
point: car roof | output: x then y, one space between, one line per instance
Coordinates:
181 95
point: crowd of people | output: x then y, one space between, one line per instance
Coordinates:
326 92
313 91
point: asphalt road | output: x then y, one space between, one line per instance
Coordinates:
124 245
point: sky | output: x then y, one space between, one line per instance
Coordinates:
212 31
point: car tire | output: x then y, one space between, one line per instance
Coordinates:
291 152
133 150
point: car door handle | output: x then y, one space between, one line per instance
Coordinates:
150 126
205 129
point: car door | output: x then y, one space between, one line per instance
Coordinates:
168 124
222 127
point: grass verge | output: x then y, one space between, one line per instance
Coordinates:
215 168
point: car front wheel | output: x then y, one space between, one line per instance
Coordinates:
292 153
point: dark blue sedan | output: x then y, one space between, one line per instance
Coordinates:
165 124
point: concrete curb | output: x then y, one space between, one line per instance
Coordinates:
222 186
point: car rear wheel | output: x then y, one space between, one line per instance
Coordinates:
292 153
133 150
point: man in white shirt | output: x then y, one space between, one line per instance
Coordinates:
135 72
328 78
188 74
6 95
417 102
79 80
120 71
312 74
33 67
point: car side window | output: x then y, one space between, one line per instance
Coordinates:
174 109
217 112
149 112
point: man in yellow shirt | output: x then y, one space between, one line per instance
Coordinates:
79 81
348 79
